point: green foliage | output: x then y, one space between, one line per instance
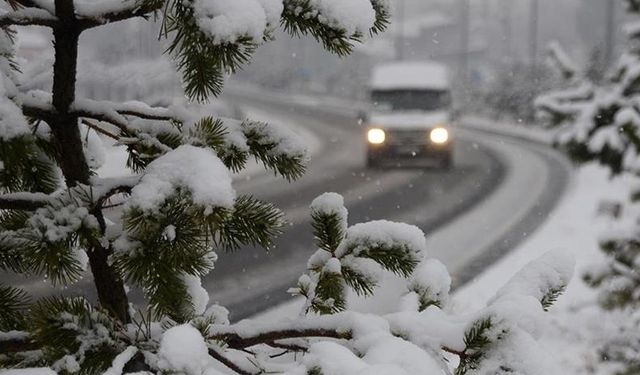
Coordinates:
11 256
251 222
425 298
633 6
361 283
623 354
599 123
13 302
266 149
300 17
330 294
619 282
143 149
343 262
477 341
160 251
214 133
71 326
26 167
551 297
328 230
48 242
202 61
397 258
181 238
160 247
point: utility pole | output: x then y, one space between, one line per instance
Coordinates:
609 42
533 32
400 40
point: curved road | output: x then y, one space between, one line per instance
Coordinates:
505 187
500 189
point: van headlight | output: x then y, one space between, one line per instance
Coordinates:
439 135
376 136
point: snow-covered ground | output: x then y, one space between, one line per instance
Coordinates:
578 326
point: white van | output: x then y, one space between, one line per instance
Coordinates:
410 114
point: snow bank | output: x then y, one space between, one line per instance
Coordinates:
576 327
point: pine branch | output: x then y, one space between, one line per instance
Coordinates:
227 362
328 230
121 11
17 344
202 60
13 303
28 17
235 340
24 201
95 127
551 297
476 341
251 222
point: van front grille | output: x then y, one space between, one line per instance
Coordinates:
406 137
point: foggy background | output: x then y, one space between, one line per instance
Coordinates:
495 49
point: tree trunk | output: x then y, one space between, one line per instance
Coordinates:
70 154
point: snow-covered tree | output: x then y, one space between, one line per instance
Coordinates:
600 121
177 210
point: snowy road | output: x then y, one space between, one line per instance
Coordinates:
500 190
506 188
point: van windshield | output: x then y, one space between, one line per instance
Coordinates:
411 100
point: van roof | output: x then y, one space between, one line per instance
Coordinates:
410 75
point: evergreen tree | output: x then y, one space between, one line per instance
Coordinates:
179 211
600 121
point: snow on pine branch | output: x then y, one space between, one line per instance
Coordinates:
197 169
227 22
27 17
230 32
502 336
